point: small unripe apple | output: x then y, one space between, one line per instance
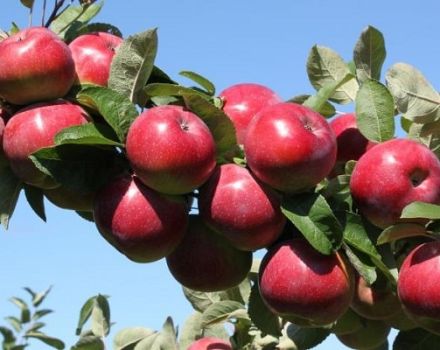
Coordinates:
238 206
392 175
171 149
371 335
93 54
290 147
299 283
139 222
35 65
206 261
349 322
210 343
35 127
243 101
68 199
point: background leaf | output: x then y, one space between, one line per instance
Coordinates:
10 187
261 316
202 81
421 210
35 198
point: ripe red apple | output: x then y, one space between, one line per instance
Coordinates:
171 149
390 176
67 199
302 285
371 335
210 343
241 208
93 54
290 147
206 261
35 127
418 287
35 65
139 222
243 101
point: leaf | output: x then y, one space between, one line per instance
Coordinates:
84 314
25 313
325 66
86 28
261 316
148 342
169 89
39 297
414 96
312 215
100 316
132 65
416 339
399 231
238 293
86 215
327 110
166 339
35 198
202 81
369 54
89 342
10 187
362 264
126 338
15 323
8 335
88 134
40 313
36 326
416 210
51 341
306 338
28 3
116 109
375 111
200 301
220 312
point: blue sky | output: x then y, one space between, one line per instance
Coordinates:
229 42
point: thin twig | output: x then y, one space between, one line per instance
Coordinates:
58 4
44 13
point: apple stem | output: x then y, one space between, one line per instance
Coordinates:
30 15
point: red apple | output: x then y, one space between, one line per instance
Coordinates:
371 335
171 149
35 65
210 343
93 54
390 176
418 285
35 127
303 286
290 147
241 208
139 222
243 101
206 261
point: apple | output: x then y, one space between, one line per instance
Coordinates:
210 343
300 284
241 208
139 222
171 149
392 175
206 261
65 198
243 101
371 335
401 321
418 287
93 54
376 302
35 127
290 147
351 143
349 322
35 66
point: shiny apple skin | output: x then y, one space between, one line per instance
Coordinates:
139 222
241 208
35 65
297 282
243 101
210 343
290 147
206 261
35 127
392 175
418 285
93 54
171 149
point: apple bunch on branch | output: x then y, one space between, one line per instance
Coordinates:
349 213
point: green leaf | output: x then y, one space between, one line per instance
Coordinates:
416 210
8 335
166 339
89 342
10 187
25 313
28 3
88 134
220 312
327 110
312 215
126 338
36 326
238 293
100 316
15 323
39 297
202 81
169 89
40 313
85 28
369 54
416 339
375 111
221 127
362 264
84 314
306 338
261 316
399 231
149 343
414 96
116 109
200 301
35 198
53 342
325 66
86 215
132 66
